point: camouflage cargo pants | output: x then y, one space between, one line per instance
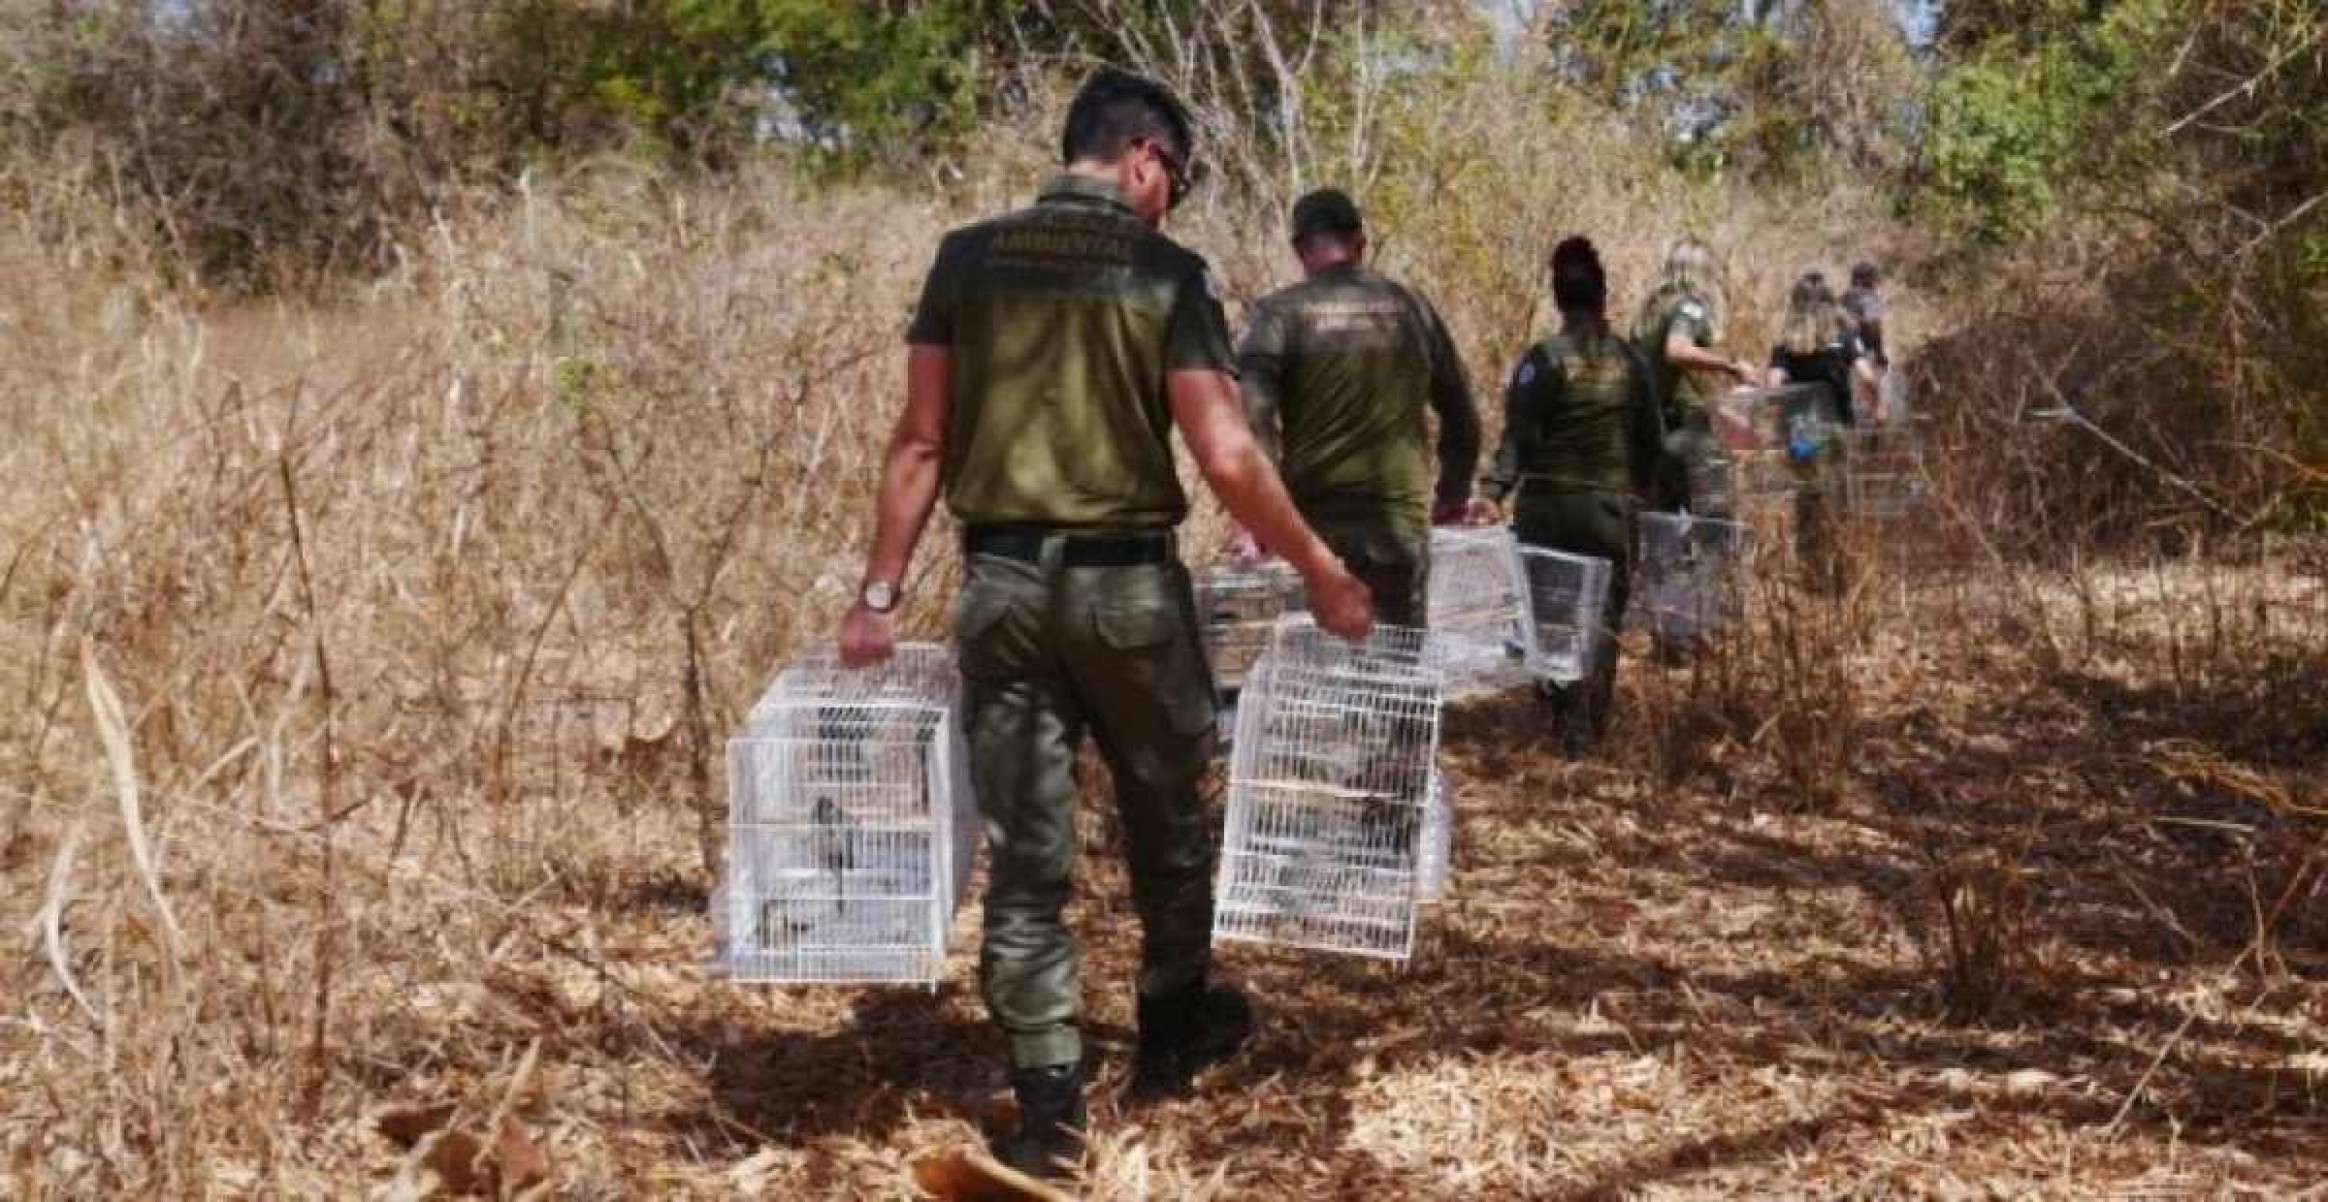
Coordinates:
1051 653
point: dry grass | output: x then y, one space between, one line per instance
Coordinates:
426 612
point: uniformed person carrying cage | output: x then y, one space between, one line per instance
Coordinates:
1053 352
1677 333
1338 373
1580 448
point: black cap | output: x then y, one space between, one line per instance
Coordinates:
1326 211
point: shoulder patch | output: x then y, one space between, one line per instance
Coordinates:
1693 310
1204 279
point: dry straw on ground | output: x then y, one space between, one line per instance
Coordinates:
370 665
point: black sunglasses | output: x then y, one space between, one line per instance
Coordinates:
1185 177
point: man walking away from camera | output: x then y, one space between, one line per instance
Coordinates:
1338 372
1053 352
1581 442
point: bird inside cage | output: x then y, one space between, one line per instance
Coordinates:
829 854
1386 827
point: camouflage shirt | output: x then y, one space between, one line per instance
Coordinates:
1682 394
1063 320
1337 372
1578 418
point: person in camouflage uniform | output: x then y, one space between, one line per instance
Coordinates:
1580 446
1338 371
1053 352
1679 326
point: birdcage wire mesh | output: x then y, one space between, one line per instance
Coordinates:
1758 476
1566 593
1239 605
1692 574
1899 408
1435 860
1714 483
1883 473
851 825
1330 794
1767 411
1478 612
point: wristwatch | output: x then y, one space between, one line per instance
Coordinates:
880 596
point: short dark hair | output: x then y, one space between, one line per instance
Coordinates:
1865 275
1326 213
1116 108
1579 284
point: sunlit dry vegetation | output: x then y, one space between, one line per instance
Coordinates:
370 648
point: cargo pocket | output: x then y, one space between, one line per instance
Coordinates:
1159 652
978 633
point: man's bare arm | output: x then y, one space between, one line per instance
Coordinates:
910 475
1206 408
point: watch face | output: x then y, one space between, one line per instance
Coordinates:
880 596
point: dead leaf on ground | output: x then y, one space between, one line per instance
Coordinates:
405 1125
958 1175
522 1161
460 1163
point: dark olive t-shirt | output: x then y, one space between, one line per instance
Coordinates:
1063 320
1579 417
1337 373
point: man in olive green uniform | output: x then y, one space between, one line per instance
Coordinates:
1580 445
1337 372
1053 352
1676 333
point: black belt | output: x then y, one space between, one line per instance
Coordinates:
1076 550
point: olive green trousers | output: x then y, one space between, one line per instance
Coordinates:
1393 563
1599 525
1050 654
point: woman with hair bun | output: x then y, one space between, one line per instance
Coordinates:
1581 441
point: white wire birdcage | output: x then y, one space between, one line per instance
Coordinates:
1239 605
1883 474
1692 574
1479 610
1716 483
1566 593
1899 409
1770 412
1764 476
851 825
1336 826
1435 861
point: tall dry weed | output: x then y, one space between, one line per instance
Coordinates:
380 598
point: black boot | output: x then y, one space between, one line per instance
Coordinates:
1185 1032
1049 1140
